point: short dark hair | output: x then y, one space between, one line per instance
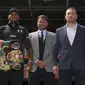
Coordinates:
13 9
43 16
73 8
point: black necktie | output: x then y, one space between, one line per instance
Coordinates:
41 47
42 36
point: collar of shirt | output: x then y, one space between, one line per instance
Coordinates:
73 27
44 33
71 32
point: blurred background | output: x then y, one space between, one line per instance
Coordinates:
31 9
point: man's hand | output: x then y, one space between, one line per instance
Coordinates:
55 71
29 67
40 64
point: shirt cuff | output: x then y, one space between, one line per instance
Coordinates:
36 61
30 61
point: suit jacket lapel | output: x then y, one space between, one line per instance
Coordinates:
46 45
37 43
65 36
76 35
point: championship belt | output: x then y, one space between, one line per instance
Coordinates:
4 46
15 55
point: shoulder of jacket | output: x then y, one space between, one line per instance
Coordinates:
52 33
60 28
32 33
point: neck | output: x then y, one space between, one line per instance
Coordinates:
69 24
13 24
41 29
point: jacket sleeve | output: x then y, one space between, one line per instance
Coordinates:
56 49
26 40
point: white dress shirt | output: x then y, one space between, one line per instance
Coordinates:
71 32
44 34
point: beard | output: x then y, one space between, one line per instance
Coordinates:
41 27
71 21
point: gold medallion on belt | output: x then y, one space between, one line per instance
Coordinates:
15 56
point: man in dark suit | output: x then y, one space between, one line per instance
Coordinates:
42 42
70 44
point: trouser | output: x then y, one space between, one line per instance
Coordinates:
1 77
13 77
66 77
41 75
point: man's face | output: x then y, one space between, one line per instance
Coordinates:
42 23
71 15
13 17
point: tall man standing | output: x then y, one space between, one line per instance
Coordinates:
70 44
18 37
42 42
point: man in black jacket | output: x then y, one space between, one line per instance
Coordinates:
18 37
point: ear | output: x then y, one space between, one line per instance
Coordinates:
76 16
47 23
18 17
65 17
9 17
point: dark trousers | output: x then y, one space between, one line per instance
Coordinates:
41 75
66 77
13 77
1 77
